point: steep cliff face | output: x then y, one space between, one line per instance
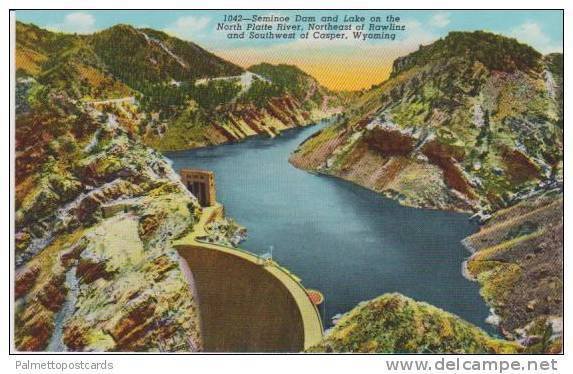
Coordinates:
267 99
180 95
518 261
471 123
95 215
397 324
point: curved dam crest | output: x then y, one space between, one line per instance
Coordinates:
246 307
247 303
349 242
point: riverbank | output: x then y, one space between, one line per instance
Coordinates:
344 240
517 258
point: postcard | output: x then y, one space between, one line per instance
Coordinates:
288 181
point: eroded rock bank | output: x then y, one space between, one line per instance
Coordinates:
96 212
518 261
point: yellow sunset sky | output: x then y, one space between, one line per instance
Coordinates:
339 72
342 65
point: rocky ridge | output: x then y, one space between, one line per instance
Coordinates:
95 215
474 123
458 126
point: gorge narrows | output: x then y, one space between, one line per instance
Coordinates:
340 238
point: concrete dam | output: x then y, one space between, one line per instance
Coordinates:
246 303
247 306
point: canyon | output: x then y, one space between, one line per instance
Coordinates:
472 123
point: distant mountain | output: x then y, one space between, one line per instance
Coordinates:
471 122
131 55
186 96
138 56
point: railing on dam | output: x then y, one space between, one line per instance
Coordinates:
246 303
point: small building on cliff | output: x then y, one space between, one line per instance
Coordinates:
200 183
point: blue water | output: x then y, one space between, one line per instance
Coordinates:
340 238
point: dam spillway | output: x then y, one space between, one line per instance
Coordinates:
248 306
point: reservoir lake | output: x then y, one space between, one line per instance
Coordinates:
342 239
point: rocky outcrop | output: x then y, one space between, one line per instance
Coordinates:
89 271
129 329
25 281
393 323
455 127
53 294
518 261
92 278
389 142
447 158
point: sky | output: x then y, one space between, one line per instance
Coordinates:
347 64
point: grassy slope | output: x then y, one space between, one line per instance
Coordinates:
396 324
478 108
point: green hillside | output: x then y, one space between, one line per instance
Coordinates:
397 324
478 114
155 57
